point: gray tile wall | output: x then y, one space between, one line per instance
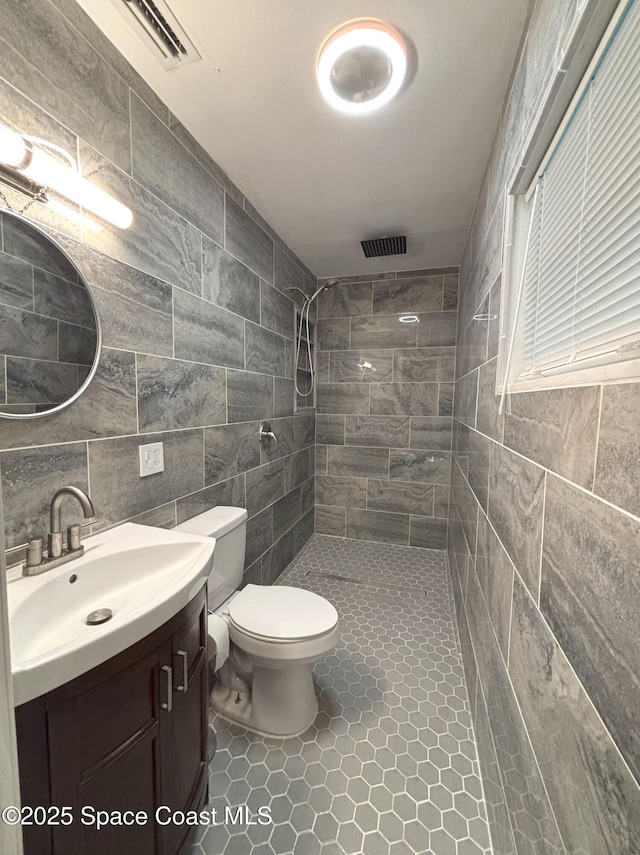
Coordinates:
194 303
385 404
47 324
544 538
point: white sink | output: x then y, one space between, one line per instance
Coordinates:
144 575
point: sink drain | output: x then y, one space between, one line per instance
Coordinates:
99 616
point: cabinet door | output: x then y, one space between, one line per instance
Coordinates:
184 787
105 753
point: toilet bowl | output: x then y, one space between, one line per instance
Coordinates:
275 635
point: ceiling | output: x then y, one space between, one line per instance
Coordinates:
326 180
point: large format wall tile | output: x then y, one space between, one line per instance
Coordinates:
135 309
382 331
159 241
360 462
343 398
276 311
117 490
422 294
345 300
27 335
230 450
596 800
206 333
16 282
264 486
399 497
557 429
404 399
428 533
534 825
363 366
298 468
249 396
430 432
264 350
161 163
106 408
418 465
437 329
33 381
341 490
495 573
330 429
618 447
585 580
287 273
497 811
423 365
173 394
65 75
380 399
286 511
590 595
58 298
228 283
516 499
489 420
335 334
247 241
230 492
30 477
377 526
259 535
466 394
388 431
331 520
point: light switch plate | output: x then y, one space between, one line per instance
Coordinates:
151 459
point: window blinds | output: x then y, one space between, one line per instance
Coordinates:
582 271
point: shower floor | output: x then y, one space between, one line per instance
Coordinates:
389 766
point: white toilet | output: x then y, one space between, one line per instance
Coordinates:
276 634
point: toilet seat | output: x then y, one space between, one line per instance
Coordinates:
281 614
278 624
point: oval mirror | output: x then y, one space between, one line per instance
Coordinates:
49 330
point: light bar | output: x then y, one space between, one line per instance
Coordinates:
36 164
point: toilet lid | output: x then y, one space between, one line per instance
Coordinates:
281 612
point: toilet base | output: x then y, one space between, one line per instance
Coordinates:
281 702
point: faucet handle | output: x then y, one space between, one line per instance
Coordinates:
74 535
34 552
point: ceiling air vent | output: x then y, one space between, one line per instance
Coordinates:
384 246
159 28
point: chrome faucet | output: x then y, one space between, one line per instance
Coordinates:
57 555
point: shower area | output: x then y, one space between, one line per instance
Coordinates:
390 765
459 714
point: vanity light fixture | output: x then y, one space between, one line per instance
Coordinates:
409 319
362 65
27 158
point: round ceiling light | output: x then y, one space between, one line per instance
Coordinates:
362 66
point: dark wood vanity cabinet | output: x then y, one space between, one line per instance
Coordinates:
130 735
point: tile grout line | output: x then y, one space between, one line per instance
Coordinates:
542 529
595 456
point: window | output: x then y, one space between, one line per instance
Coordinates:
576 264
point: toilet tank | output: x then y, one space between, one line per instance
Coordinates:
229 527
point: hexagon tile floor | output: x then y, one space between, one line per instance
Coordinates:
389 766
